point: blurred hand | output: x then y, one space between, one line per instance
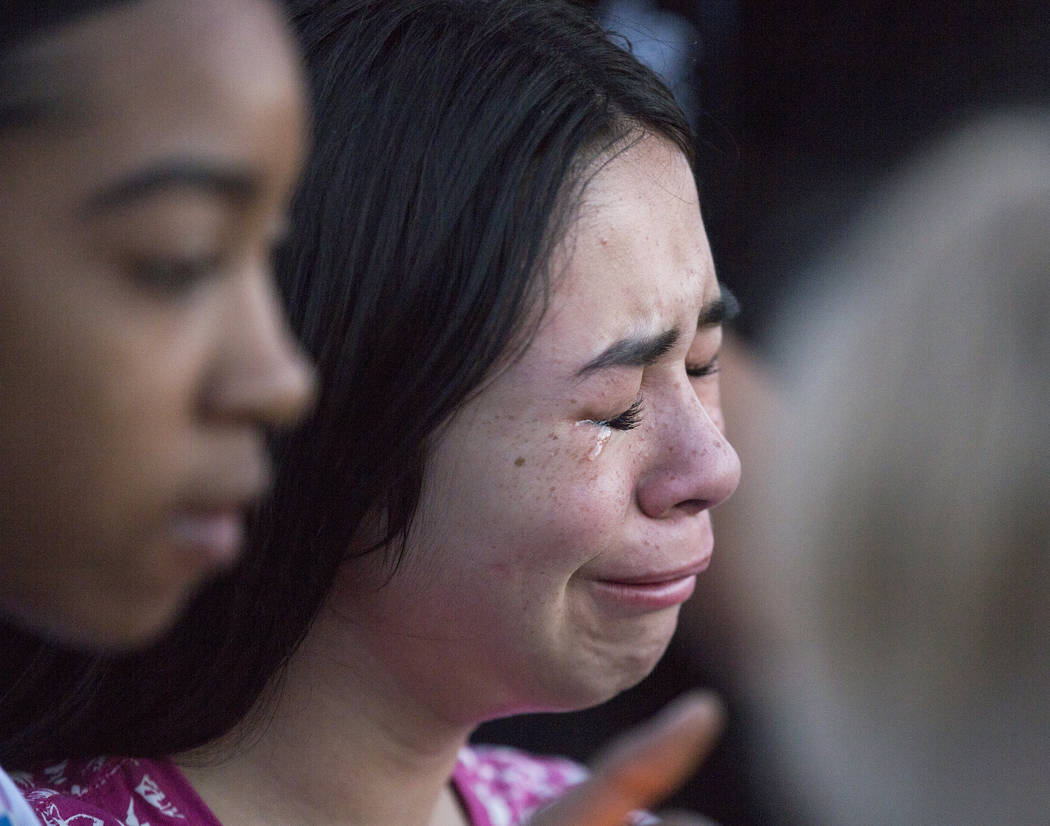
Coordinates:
642 767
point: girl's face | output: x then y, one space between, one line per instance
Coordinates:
565 510
141 345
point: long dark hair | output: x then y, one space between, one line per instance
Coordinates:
452 139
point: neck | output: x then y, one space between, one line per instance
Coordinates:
346 744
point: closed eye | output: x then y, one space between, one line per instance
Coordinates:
702 370
173 276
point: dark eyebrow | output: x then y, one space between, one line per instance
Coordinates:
238 185
722 309
647 350
632 352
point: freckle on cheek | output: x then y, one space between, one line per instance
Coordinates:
519 461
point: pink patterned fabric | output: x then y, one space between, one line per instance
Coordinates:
501 786
113 792
497 786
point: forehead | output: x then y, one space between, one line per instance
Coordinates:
636 259
156 77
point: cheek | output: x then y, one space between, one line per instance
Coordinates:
708 391
137 434
717 416
559 467
527 501
569 494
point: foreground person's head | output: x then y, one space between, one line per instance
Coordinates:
503 275
147 150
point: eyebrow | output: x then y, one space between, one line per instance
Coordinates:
238 185
643 351
719 311
632 352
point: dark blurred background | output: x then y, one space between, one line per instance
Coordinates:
801 109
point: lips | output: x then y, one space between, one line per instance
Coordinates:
209 525
649 591
214 534
659 578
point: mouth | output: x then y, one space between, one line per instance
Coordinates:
208 527
213 535
651 591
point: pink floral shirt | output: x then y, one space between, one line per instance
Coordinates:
497 786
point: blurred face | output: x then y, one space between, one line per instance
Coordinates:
565 510
141 346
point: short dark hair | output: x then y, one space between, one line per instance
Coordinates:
453 138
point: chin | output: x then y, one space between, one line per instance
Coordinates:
120 626
627 671
593 682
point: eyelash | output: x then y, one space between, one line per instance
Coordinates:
172 276
703 370
628 420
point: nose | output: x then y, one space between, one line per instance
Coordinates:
692 466
262 375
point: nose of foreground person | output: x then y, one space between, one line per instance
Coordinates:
694 467
263 374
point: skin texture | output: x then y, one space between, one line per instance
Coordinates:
497 605
142 350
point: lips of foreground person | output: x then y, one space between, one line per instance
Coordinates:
651 592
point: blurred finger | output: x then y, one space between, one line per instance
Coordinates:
643 766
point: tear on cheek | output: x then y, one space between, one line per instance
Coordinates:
603 434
